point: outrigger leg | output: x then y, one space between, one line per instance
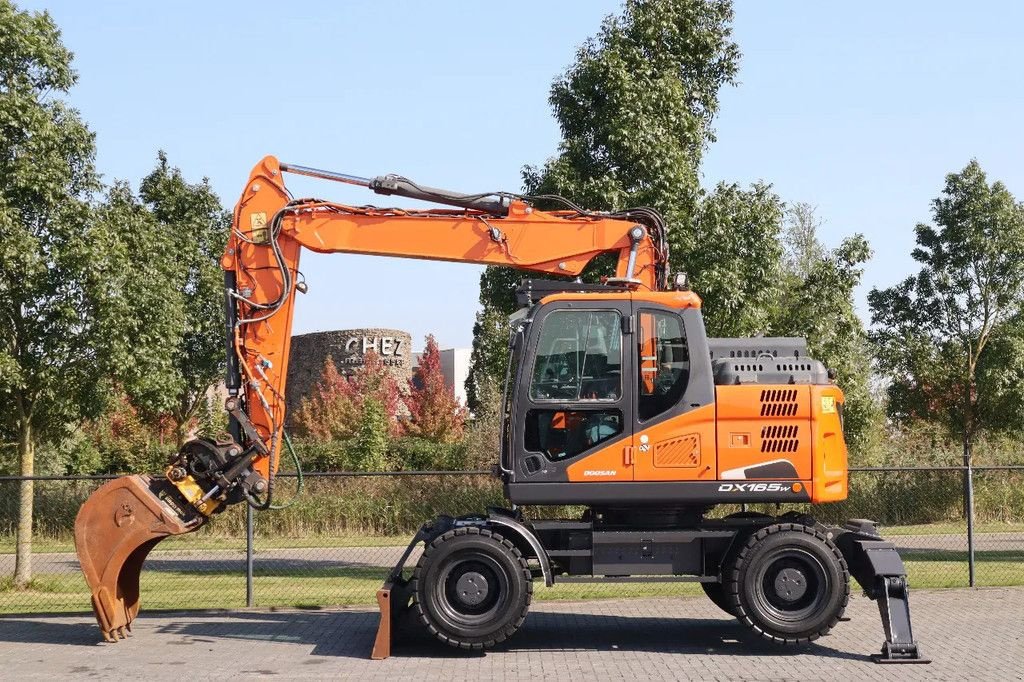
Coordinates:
877 566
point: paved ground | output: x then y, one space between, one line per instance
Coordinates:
968 633
333 557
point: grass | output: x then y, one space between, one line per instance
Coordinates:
349 586
957 528
205 541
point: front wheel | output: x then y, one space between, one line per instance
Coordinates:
789 583
472 588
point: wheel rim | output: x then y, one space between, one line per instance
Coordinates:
472 589
791 586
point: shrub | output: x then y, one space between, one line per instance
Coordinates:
334 410
434 411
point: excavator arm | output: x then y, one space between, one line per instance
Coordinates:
124 519
262 259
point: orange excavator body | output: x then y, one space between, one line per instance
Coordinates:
619 403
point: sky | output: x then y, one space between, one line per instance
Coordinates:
859 109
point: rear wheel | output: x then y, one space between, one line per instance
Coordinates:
472 588
789 583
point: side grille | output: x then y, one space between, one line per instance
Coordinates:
778 402
780 438
678 452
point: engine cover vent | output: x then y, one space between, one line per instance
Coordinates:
778 402
780 438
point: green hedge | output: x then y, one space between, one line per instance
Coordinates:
397 505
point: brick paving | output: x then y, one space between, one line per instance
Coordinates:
976 634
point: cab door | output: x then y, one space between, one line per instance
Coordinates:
674 420
575 403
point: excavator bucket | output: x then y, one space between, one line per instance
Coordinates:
114 532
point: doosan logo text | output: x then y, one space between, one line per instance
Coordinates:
600 472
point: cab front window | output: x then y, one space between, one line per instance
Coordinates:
579 357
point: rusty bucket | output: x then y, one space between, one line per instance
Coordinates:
114 532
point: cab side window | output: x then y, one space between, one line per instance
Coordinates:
579 357
562 434
663 362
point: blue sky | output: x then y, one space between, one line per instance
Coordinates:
857 108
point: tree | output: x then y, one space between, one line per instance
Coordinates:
434 411
948 338
635 110
733 258
335 409
46 177
197 225
370 445
65 307
817 303
801 248
138 300
483 436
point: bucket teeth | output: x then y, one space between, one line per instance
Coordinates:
114 532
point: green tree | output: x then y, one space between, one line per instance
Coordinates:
635 110
802 249
733 258
46 177
817 303
66 306
196 227
370 445
948 338
137 299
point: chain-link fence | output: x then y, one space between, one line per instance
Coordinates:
337 542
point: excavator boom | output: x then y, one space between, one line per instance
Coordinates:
122 521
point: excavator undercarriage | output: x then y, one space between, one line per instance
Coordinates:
792 608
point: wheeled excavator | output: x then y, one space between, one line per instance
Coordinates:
614 400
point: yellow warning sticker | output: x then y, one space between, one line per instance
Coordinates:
828 404
258 224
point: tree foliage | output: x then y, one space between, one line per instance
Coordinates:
817 289
948 339
733 258
335 408
194 227
635 110
60 307
434 411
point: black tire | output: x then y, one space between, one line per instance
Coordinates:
716 593
789 583
472 588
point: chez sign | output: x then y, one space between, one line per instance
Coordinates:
389 348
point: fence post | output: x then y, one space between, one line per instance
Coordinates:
248 554
969 509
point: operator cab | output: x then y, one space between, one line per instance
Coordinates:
610 399
591 365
